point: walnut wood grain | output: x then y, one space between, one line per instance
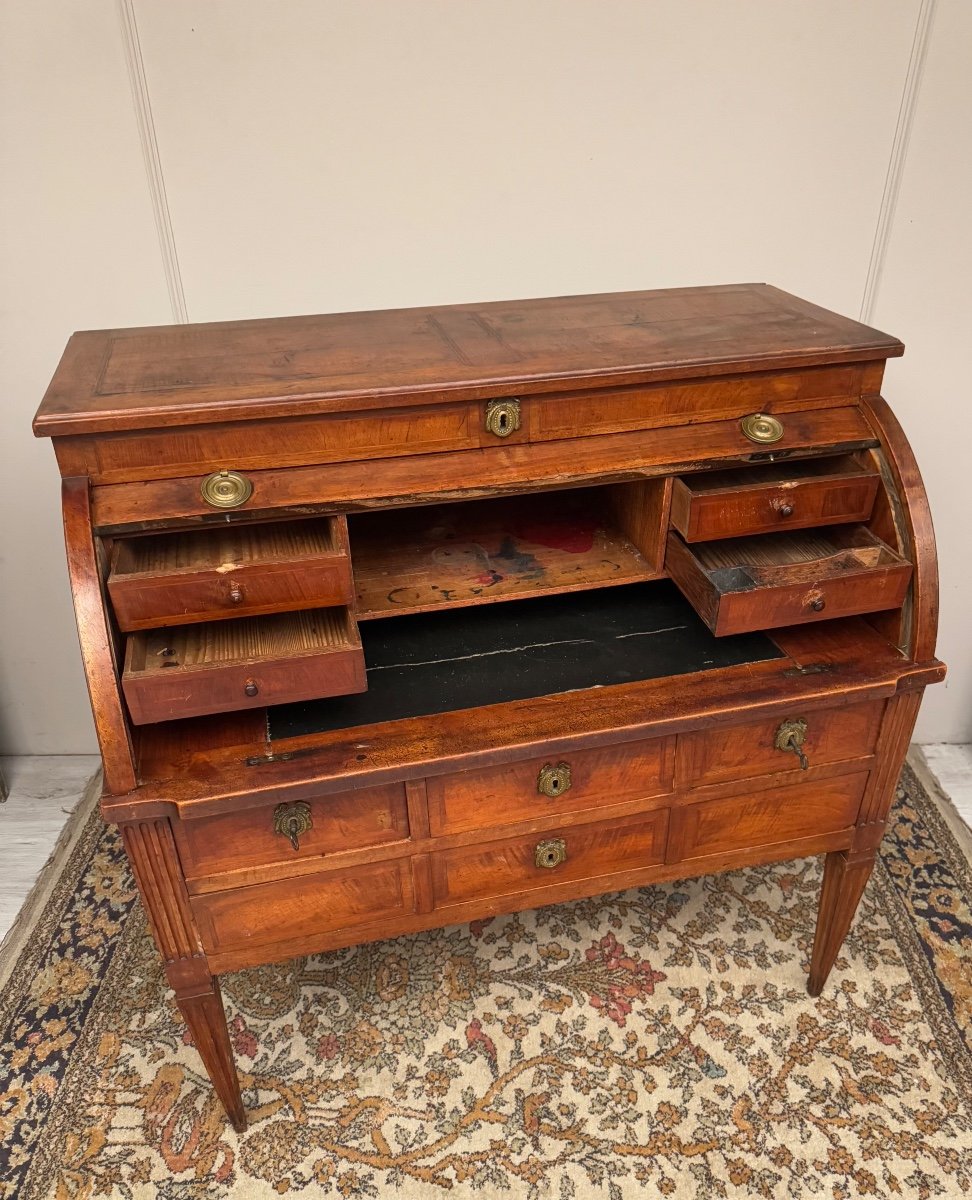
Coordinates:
243 370
239 571
97 654
765 499
468 474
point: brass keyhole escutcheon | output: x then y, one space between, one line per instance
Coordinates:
550 854
292 820
226 489
553 780
503 417
790 737
762 428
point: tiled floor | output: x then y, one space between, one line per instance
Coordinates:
44 791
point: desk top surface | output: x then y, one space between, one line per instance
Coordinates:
169 375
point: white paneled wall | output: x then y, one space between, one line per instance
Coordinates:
318 155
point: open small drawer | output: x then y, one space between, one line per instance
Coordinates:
743 584
244 570
192 670
772 497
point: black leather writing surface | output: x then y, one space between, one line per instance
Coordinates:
492 653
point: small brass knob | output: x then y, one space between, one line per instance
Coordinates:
503 417
785 510
226 489
251 688
818 604
553 780
236 593
292 820
790 737
550 854
762 428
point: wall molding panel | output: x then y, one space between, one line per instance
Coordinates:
153 163
899 157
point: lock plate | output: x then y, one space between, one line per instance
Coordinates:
553 780
503 417
550 854
292 821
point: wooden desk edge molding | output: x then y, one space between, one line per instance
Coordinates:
286 538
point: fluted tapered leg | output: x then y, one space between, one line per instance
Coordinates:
846 873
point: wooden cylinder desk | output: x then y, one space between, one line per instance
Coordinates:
397 619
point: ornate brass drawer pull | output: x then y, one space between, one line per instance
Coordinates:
550 854
503 417
790 737
292 820
762 428
553 780
226 489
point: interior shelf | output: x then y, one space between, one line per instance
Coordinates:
476 552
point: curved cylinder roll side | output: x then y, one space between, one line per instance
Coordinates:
99 666
920 619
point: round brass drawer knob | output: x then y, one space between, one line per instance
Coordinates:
553 781
251 688
236 593
818 604
226 489
762 428
503 417
785 510
550 854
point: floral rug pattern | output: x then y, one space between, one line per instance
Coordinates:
655 1041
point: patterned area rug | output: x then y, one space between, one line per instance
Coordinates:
657 1041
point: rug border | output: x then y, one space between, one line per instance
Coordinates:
49 890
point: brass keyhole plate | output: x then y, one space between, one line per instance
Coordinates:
790 737
550 854
292 821
503 417
553 780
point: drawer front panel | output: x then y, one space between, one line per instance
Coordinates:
765 818
344 821
251 445
549 786
705 515
730 752
274 912
615 410
508 867
246 591
241 664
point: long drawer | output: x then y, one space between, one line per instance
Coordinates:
192 670
525 864
550 786
243 570
811 809
787 742
292 832
272 913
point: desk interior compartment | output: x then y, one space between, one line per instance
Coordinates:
772 497
192 670
739 585
233 571
475 552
